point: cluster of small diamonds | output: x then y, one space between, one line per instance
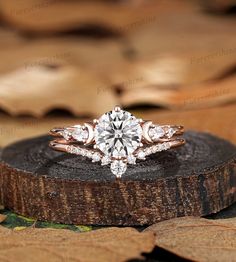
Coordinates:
95 156
143 152
118 164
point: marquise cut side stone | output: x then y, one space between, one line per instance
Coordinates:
171 132
66 134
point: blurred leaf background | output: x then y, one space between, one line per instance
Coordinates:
63 62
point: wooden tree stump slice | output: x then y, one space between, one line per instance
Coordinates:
196 179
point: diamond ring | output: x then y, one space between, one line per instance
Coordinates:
117 139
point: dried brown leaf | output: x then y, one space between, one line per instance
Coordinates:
199 96
198 239
180 33
57 16
39 90
110 244
2 218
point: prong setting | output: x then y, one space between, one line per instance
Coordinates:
117 139
117 109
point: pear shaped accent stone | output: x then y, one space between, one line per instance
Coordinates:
156 132
118 167
80 133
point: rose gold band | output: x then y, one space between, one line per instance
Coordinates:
117 139
63 144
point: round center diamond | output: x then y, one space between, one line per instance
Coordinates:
118 133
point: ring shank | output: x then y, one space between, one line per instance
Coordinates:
169 139
64 146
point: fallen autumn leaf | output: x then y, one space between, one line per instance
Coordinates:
2 218
110 244
198 239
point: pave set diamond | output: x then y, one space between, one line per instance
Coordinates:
95 156
117 138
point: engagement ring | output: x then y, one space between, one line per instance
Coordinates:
117 139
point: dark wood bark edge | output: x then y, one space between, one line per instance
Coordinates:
125 202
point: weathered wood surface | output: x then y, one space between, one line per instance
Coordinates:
197 179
